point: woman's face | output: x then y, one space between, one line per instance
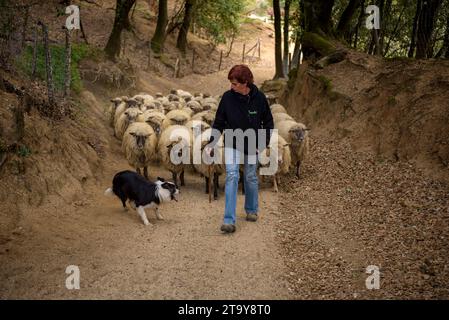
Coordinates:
241 88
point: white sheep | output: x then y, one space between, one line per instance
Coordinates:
144 98
174 144
214 170
210 100
195 106
176 117
163 100
129 103
184 94
129 116
139 146
154 119
278 150
277 108
206 116
116 103
195 125
297 135
278 117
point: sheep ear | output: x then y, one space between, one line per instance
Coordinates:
307 129
286 145
132 133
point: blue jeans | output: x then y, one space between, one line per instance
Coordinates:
232 161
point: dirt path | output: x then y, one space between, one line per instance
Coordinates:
183 257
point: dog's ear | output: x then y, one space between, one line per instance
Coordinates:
161 179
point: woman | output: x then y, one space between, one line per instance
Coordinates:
243 107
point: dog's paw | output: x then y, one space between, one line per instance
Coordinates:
147 223
159 216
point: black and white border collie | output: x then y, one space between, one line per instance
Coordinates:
141 193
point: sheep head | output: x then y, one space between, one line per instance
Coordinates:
155 124
141 139
179 119
116 102
298 133
132 114
132 103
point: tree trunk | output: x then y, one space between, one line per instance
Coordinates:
296 51
411 50
426 23
383 24
359 23
157 42
113 47
181 43
278 40
344 25
286 38
318 14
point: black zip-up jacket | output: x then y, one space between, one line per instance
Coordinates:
237 111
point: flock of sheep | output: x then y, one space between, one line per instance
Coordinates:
150 127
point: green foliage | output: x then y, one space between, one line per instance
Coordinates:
79 52
319 43
23 151
220 18
396 24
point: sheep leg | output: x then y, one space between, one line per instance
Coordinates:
138 171
215 186
181 177
275 184
298 169
145 172
207 184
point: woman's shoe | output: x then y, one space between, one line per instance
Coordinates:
227 228
251 217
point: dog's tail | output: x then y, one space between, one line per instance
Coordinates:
109 192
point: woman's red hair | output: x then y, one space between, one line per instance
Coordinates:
241 73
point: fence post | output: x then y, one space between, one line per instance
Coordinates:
50 91
221 58
175 75
243 54
68 62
